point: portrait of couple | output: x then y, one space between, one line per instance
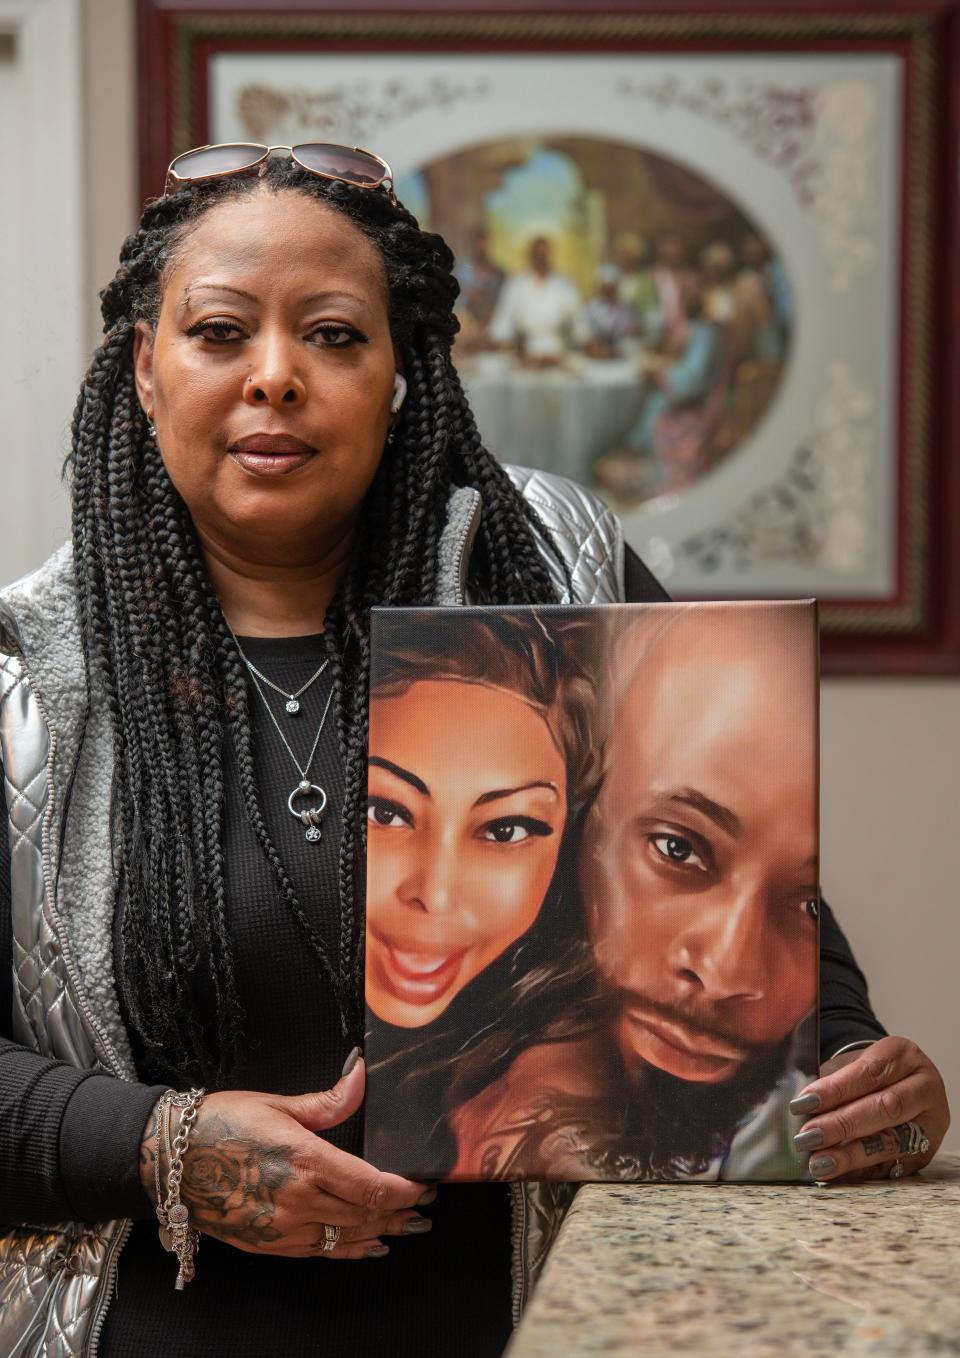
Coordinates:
592 890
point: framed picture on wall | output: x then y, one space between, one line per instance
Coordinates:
743 221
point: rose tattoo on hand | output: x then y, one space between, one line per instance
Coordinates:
259 1175
231 1183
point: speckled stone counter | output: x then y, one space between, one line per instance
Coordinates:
765 1271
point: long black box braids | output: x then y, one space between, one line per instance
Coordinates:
158 650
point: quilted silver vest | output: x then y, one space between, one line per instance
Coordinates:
56 1282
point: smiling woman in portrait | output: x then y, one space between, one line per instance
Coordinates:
474 756
482 756
448 885
270 440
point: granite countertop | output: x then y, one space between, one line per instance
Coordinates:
754 1271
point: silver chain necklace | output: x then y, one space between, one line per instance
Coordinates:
292 704
311 817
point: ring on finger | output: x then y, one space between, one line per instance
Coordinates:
331 1234
911 1139
896 1170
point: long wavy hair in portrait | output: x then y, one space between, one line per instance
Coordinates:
547 658
159 652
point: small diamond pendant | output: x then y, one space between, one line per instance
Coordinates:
314 835
293 706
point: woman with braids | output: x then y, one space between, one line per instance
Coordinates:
270 439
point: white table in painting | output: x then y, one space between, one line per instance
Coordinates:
555 419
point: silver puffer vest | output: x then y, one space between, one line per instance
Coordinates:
56 1282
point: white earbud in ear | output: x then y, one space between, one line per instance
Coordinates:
399 392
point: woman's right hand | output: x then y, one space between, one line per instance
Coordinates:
256 1176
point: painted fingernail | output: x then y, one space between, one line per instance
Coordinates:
417 1226
804 1103
810 1139
429 1196
377 1251
350 1062
822 1164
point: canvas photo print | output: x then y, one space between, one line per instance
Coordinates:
592 890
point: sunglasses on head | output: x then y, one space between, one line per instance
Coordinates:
350 163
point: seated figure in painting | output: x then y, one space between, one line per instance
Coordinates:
637 288
538 311
717 267
606 320
675 283
669 444
481 282
478 760
761 303
699 884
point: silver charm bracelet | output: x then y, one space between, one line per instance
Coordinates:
176 1234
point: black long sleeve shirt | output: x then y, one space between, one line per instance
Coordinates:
69 1139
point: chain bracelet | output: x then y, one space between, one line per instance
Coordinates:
183 1241
168 1101
163 1113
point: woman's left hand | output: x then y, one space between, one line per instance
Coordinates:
863 1111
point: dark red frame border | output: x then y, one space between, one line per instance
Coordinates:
934 647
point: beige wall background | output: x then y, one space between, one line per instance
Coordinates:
890 828
890 766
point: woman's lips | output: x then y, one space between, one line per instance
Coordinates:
267 453
270 464
418 977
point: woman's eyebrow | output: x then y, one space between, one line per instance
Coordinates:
509 791
330 295
399 772
336 295
188 293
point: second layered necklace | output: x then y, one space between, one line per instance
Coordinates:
310 817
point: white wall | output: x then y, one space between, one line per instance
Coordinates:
890 822
113 207
891 771
42 248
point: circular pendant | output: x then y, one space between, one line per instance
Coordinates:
293 706
310 817
166 1239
